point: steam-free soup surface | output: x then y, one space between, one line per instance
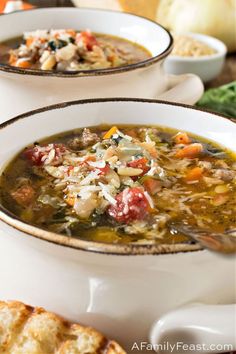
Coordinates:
70 50
122 184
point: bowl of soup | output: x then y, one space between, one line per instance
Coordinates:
87 190
53 55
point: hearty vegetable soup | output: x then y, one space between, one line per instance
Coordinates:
122 184
70 50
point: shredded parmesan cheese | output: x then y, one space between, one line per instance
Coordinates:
149 199
106 193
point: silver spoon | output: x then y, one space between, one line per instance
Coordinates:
214 241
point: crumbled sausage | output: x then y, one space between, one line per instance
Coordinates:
221 164
86 139
225 175
74 144
89 138
24 195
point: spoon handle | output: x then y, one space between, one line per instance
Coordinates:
218 242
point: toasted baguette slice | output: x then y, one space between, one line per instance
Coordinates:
32 330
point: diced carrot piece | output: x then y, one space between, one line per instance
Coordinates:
23 64
71 32
190 151
70 200
152 185
182 138
195 174
42 40
29 41
90 158
12 59
110 132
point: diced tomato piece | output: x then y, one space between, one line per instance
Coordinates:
24 195
69 169
104 170
131 204
87 39
140 163
37 155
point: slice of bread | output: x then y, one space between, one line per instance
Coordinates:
32 330
146 8
141 7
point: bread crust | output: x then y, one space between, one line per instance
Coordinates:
33 330
141 7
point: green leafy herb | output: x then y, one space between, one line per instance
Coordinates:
221 100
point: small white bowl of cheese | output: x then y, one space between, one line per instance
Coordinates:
196 53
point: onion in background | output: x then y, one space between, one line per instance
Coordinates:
215 18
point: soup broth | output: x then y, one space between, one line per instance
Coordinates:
122 184
70 50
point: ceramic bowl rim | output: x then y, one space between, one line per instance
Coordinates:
94 72
90 246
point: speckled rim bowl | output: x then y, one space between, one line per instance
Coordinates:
31 89
37 124
114 20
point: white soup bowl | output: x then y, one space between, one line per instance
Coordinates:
130 292
26 89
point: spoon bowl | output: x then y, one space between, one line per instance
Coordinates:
214 241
